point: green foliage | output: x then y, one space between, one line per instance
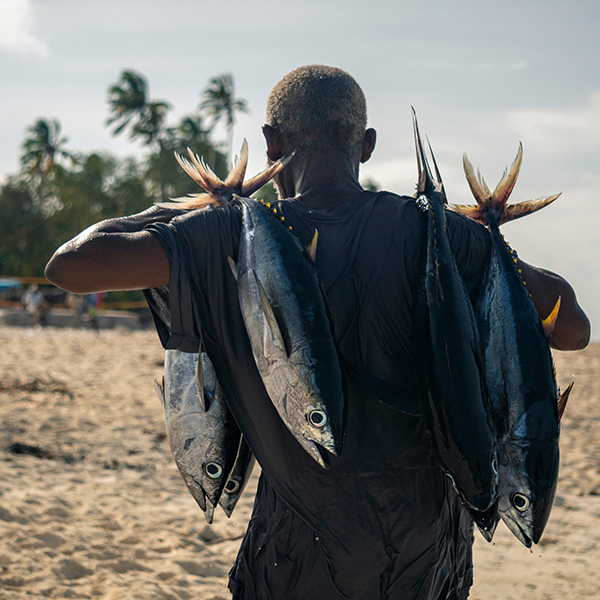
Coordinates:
25 241
59 193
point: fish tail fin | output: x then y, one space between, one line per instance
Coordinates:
235 179
515 211
190 202
563 399
254 184
509 179
217 190
493 208
426 182
437 171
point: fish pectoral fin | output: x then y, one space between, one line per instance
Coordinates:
312 248
232 266
276 335
200 374
160 391
550 321
563 399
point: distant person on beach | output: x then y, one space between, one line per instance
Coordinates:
382 522
36 304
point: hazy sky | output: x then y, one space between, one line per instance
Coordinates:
482 76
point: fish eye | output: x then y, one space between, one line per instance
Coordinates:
188 443
232 486
521 502
213 470
317 418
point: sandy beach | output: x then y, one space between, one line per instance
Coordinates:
92 505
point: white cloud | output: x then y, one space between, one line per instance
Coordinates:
572 131
16 25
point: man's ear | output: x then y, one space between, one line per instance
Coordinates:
274 143
368 144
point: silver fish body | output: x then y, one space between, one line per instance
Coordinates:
289 331
203 436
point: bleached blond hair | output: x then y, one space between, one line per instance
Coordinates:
319 106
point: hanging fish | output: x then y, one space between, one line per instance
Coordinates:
518 366
455 404
203 436
289 330
238 477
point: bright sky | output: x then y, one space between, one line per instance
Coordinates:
482 76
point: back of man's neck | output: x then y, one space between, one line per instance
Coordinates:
325 181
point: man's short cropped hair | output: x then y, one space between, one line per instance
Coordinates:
317 106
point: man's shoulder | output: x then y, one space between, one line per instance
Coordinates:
209 220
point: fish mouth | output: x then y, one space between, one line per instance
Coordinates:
486 521
518 531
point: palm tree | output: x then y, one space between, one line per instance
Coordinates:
219 102
43 145
130 106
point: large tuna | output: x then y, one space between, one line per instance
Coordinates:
518 367
455 401
290 333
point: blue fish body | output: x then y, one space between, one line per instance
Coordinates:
519 369
523 390
455 402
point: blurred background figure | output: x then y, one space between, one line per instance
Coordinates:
36 304
94 304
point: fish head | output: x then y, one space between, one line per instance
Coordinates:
312 420
197 456
528 479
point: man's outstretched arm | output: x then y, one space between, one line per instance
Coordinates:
113 255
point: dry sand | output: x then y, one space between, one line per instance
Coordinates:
103 512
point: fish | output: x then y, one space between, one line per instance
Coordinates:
289 330
454 404
237 478
519 370
203 437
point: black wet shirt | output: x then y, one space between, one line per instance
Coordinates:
382 521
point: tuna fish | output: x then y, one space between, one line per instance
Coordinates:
283 308
518 366
289 330
455 402
203 436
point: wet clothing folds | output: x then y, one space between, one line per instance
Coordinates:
382 522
